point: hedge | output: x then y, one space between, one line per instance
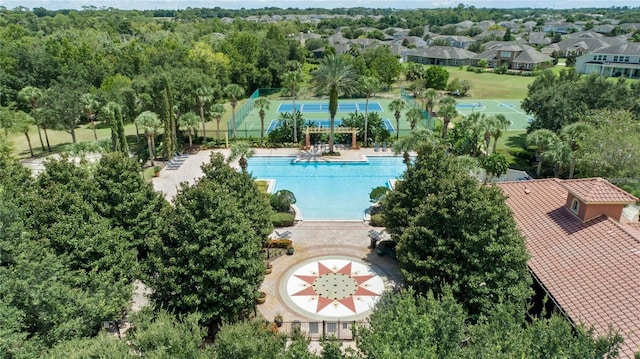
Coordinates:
281 219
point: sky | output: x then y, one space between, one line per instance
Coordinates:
249 4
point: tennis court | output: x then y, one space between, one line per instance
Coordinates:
509 108
314 107
325 124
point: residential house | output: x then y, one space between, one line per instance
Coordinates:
514 56
561 27
585 253
538 38
441 55
604 28
621 60
461 42
585 42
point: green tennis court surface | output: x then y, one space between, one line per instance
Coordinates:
509 108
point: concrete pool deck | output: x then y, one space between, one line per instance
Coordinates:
313 240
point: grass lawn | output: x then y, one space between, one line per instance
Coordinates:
492 86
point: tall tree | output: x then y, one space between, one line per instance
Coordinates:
118 137
61 104
501 124
216 111
447 112
262 103
22 122
234 92
209 258
368 85
149 123
31 95
204 98
542 140
397 106
334 76
574 134
291 79
446 226
411 143
414 115
241 151
90 105
189 122
430 95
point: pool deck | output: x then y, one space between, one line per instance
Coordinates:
311 239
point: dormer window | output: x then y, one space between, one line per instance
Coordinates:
575 206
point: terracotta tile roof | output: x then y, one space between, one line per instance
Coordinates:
597 190
591 269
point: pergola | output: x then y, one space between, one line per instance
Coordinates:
310 130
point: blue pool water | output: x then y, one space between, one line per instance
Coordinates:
328 191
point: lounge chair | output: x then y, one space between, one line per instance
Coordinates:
283 235
376 147
384 147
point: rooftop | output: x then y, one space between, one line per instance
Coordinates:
591 268
597 190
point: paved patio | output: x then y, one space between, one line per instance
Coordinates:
327 241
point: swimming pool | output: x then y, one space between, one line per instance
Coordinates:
328 190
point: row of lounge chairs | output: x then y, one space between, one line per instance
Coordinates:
376 147
176 161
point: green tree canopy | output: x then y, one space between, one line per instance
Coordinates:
447 225
209 255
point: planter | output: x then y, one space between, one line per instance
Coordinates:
278 320
262 297
269 269
290 250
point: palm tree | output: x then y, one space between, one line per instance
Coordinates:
397 106
448 112
412 142
262 103
22 121
430 95
149 122
414 115
204 96
241 151
368 85
291 79
235 92
334 75
189 123
558 153
216 111
487 127
574 134
541 139
90 105
31 95
501 124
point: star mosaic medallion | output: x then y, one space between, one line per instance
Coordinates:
334 287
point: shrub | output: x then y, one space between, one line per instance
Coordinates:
377 220
282 200
279 243
280 219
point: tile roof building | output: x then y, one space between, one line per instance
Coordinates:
584 253
514 56
441 55
621 60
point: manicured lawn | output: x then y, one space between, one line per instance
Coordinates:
492 86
